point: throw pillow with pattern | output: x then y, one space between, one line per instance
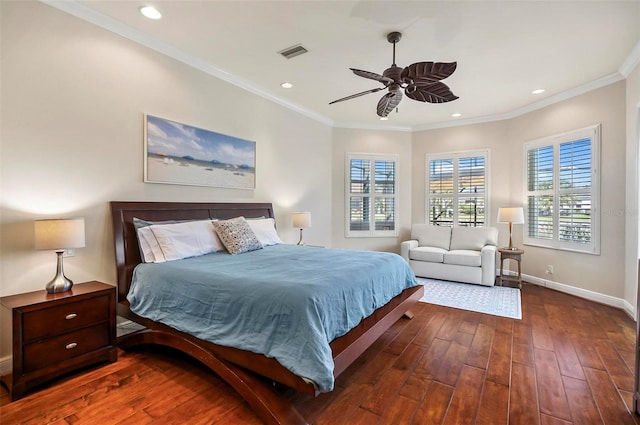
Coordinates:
236 235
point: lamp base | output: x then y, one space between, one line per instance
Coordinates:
300 242
60 283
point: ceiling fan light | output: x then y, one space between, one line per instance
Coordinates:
384 118
537 91
286 85
150 12
456 114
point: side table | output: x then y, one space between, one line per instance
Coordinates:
52 334
511 254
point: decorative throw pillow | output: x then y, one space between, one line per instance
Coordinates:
236 235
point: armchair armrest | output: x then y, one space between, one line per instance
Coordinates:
488 260
406 246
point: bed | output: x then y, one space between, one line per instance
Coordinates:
250 373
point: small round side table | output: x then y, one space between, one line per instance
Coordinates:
511 254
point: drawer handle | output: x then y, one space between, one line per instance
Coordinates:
71 316
71 345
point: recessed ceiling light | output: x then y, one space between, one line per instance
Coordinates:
150 12
537 91
286 85
456 115
384 118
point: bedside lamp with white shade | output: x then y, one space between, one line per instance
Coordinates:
511 215
58 235
301 220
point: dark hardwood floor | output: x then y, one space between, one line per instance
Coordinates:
569 361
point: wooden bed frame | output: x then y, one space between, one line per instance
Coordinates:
233 365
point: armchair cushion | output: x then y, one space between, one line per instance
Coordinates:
473 238
429 235
428 253
463 257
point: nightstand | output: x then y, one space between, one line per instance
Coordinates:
53 334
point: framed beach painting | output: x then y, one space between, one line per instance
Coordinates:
176 153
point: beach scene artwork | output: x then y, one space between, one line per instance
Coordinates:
177 153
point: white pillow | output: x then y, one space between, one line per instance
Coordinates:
151 252
188 239
265 231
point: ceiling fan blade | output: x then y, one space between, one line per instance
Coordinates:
357 95
433 93
372 76
389 102
427 71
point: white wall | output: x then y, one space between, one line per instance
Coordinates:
490 136
603 274
378 142
73 98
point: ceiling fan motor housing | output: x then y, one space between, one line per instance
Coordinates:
393 72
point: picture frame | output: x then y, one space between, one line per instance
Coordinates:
177 153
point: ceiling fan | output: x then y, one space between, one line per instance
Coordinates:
420 81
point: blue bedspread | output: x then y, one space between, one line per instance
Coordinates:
284 301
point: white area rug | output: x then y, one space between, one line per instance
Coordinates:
496 300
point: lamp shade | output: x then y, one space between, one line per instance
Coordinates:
510 215
301 220
59 234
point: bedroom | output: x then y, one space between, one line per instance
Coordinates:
72 110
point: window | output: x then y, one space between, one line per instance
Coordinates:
372 195
562 184
457 189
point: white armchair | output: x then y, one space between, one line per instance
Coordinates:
460 254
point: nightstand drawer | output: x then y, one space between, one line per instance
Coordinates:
49 352
58 319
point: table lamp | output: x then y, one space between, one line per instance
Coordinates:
58 235
301 220
511 215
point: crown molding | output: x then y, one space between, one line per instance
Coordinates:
92 16
378 127
631 62
559 97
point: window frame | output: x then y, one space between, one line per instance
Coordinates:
455 156
594 134
372 232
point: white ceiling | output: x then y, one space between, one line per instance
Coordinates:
504 50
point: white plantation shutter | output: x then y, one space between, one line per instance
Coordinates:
457 189
562 190
540 192
372 195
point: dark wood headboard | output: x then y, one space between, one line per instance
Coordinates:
126 241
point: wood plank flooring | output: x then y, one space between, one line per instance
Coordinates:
569 361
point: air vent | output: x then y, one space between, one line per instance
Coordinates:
293 51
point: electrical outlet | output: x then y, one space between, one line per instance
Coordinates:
69 252
549 269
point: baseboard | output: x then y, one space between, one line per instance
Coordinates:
584 293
